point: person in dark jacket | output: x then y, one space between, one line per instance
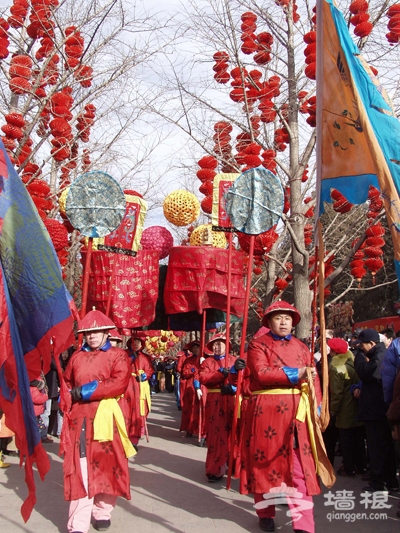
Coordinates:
343 408
393 416
372 411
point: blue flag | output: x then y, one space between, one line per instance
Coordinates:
358 134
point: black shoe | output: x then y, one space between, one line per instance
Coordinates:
300 531
11 453
393 489
213 479
267 524
102 525
135 446
202 441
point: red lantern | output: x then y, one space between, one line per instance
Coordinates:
208 162
281 284
206 204
58 233
206 174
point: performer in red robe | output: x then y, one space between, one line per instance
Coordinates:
193 399
218 374
178 373
138 394
241 364
277 447
96 444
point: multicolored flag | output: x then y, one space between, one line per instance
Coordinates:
34 307
358 134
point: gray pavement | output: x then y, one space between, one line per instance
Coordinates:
170 493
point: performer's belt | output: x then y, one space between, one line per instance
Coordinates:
213 390
144 396
303 411
103 426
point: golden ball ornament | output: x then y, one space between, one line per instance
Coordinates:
201 234
181 208
63 200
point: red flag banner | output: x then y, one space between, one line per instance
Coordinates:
128 234
220 218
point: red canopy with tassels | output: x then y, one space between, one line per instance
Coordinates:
197 280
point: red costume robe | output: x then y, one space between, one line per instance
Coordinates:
182 383
191 404
270 423
107 464
139 364
218 413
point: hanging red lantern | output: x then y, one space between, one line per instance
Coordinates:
358 273
358 6
363 29
375 241
58 233
39 188
208 162
206 188
377 230
341 204
20 86
206 204
262 243
281 284
206 174
373 264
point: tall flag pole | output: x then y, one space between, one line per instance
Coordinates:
358 132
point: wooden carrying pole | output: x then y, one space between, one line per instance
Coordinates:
241 354
228 297
324 419
202 346
85 284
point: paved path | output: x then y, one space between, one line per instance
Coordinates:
170 493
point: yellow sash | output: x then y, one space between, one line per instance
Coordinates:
303 412
144 395
213 390
103 425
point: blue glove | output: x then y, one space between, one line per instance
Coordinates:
196 384
88 389
192 370
143 376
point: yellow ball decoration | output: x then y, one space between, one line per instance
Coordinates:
201 233
181 208
95 242
63 200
